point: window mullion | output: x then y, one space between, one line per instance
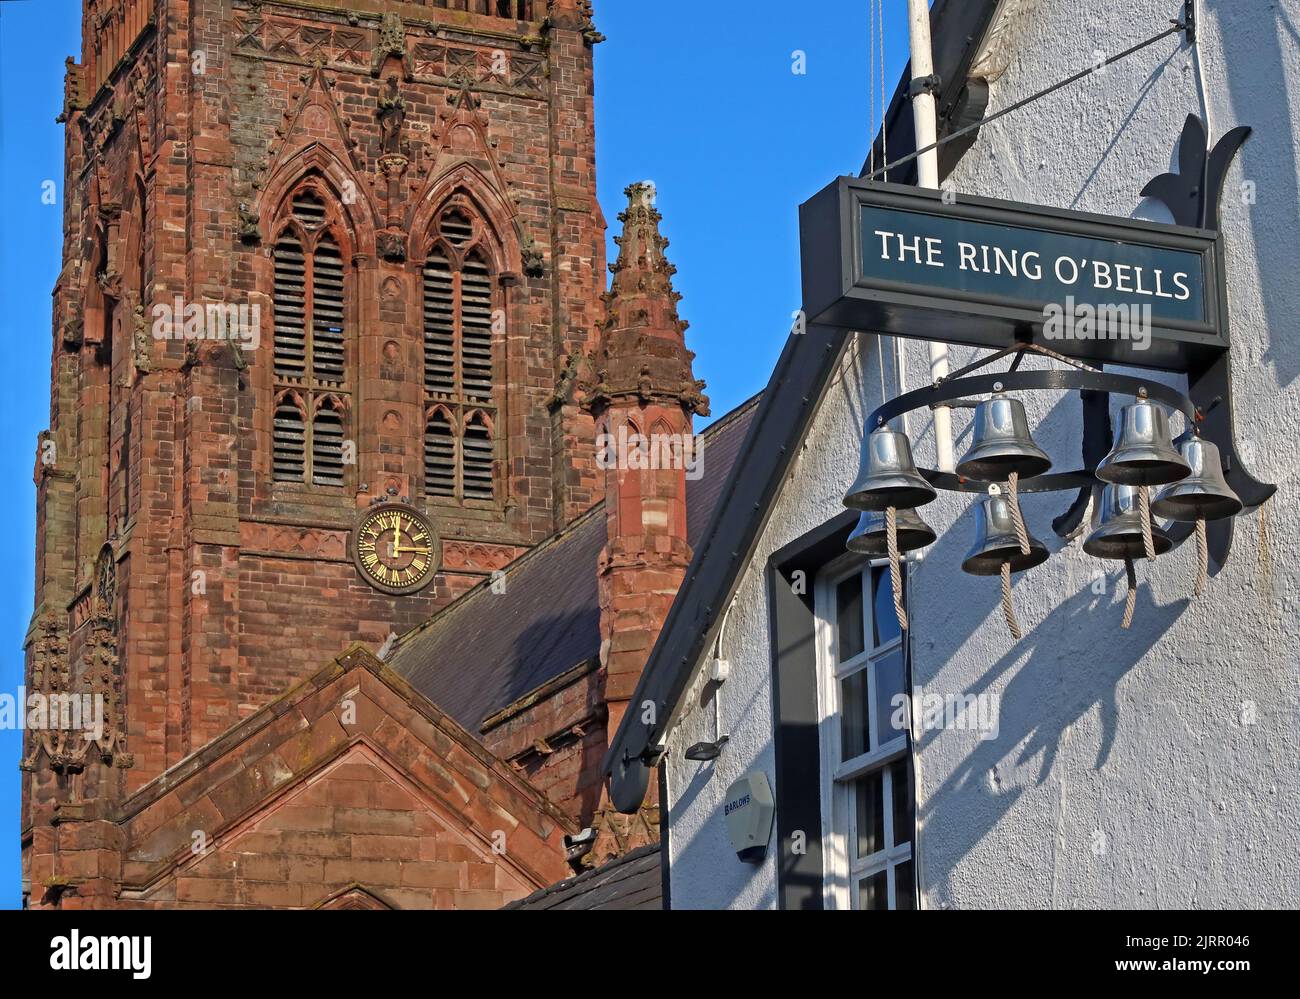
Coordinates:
458 412
458 433
887 803
308 435
309 310
458 329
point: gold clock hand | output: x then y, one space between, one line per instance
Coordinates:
397 540
399 550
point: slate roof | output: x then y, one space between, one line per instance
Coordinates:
487 650
633 881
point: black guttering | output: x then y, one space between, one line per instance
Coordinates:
792 396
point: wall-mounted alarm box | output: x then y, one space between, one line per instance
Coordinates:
749 809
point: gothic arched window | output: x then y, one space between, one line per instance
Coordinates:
460 303
310 360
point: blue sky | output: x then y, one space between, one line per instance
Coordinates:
701 98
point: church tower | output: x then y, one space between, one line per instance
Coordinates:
328 270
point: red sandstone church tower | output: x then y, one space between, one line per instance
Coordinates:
326 268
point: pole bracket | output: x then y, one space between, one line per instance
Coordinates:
924 85
1188 23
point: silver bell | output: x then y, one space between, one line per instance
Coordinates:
1002 444
888 476
1203 495
870 536
1117 527
996 541
1143 454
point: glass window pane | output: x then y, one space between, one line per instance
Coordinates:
901 778
848 617
904 888
868 797
891 710
855 719
873 891
884 620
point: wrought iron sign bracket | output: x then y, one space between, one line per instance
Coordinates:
988 274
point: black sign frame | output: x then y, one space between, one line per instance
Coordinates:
838 293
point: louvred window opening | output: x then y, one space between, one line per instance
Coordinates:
310 365
459 362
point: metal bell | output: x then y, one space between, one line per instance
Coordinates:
1203 495
870 536
888 476
1143 454
1117 527
1002 444
996 541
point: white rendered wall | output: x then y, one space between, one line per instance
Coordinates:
1123 774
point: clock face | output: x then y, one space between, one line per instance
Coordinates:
394 549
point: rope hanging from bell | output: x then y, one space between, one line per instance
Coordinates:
1202 557
1013 496
1022 538
895 565
1008 608
1130 600
1121 532
1144 512
1003 546
1202 496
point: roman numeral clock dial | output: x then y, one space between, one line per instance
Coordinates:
395 549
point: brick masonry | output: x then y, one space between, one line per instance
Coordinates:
348 791
196 594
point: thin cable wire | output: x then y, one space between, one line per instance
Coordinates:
1020 104
871 87
884 107
1202 89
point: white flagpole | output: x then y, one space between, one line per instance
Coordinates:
927 173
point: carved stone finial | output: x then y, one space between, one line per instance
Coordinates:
392 42
642 353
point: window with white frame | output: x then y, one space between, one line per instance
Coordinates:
867 788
